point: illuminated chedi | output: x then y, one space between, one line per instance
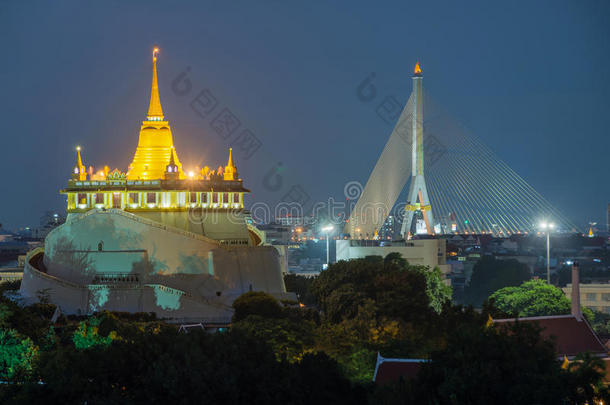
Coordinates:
157 187
158 238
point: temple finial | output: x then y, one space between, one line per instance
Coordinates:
230 172
80 171
155 112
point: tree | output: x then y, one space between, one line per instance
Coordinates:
301 286
87 335
438 292
487 365
532 298
490 274
397 289
256 303
17 355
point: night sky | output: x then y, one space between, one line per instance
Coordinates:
530 79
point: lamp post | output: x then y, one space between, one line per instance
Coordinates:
327 229
547 226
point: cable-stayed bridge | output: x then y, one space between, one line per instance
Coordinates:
456 183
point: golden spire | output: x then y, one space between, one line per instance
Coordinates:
79 160
155 144
566 363
230 172
80 171
155 112
171 158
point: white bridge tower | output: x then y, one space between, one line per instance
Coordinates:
417 200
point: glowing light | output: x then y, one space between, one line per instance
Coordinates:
191 174
78 148
546 225
417 69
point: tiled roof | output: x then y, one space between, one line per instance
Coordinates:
572 335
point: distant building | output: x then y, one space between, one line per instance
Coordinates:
425 252
594 296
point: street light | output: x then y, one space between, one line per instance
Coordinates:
327 229
547 226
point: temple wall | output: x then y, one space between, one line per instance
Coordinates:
112 260
165 302
105 242
218 225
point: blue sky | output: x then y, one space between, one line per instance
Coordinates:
528 78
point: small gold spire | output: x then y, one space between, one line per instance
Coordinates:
489 322
154 110
80 171
230 172
566 363
79 160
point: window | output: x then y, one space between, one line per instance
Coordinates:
193 198
215 198
204 198
82 198
236 198
225 197
134 198
151 198
116 200
605 297
591 296
99 198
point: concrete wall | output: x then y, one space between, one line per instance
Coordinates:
219 225
118 261
425 252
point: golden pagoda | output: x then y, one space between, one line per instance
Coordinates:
155 144
156 187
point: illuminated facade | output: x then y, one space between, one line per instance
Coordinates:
157 238
156 186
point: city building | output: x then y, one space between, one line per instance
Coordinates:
425 252
157 238
595 296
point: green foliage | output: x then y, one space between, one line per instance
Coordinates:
172 367
301 286
600 322
256 303
17 355
360 365
490 274
5 315
515 366
532 298
438 292
88 335
396 289
288 338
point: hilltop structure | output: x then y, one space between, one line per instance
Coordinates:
156 238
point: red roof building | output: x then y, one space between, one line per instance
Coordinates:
572 334
390 370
